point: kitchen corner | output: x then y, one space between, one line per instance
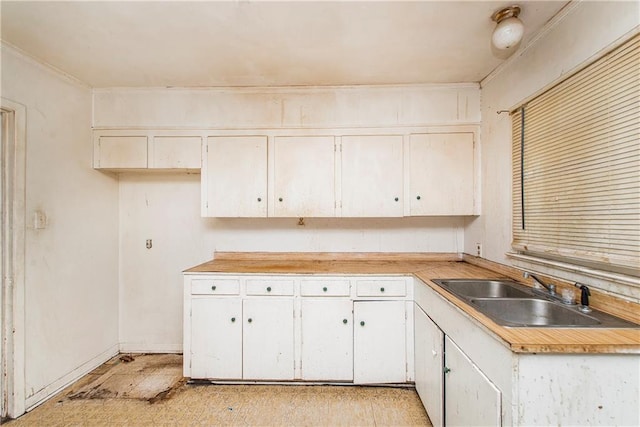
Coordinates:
438 328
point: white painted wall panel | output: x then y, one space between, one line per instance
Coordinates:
288 107
164 208
71 270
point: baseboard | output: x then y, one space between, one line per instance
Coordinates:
136 347
55 387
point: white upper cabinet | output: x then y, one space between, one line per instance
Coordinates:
234 177
442 174
309 173
175 152
117 150
127 152
372 176
304 176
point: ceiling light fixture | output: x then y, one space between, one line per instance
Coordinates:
509 30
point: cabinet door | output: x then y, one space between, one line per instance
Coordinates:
442 174
379 342
121 152
268 339
304 176
470 398
234 177
176 152
372 176
216 338
429 364
327 339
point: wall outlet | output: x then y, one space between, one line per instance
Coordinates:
39 220
479 250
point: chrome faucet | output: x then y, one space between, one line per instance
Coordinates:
549 287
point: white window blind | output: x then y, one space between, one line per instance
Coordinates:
576 166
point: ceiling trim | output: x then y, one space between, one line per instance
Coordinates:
42 64
278 89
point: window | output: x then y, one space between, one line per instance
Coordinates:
576 167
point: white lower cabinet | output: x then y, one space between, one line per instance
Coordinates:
379 345
448 382
216 338
429 365
487 384
295 327
267 339
327 339
470 397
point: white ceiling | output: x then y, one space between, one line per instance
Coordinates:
260 43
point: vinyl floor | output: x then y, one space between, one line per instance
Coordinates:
148 390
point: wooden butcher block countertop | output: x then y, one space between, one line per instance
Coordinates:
450 266
320 263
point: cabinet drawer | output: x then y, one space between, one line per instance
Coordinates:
269 287
381 288
215 287
322 288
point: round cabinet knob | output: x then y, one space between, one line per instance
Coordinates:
324 289
446 370
344 321
434 353
259 199
381 289
268 288
396 199
362 323
249 320
418 197
213 288
233 319
280 199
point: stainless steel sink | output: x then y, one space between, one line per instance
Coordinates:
471 288
512 304
532 312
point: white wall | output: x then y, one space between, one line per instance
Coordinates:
71 265
165 207
582 33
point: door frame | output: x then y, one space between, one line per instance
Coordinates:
12 387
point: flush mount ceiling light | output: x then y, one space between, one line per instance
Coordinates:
509 30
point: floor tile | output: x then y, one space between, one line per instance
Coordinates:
148 390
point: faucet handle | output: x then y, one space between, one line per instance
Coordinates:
585 293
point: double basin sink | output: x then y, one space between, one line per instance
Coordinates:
511 304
